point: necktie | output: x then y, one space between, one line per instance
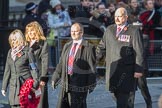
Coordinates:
71 59
118 31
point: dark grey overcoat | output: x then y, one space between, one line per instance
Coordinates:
41 56
124 56
83 69
12 73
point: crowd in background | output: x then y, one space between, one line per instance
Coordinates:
101 11
60 18
146 14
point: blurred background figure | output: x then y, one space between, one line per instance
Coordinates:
96 2
112 8
133 11
150 19
59 23
101 14
122 4
59 19
83 10
31 15
43 8
157 4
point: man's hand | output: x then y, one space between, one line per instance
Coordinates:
137 75
42 83
3 92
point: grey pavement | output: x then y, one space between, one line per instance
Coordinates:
100 98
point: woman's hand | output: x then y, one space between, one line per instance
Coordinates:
3 92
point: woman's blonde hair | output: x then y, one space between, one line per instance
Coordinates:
35 26
21 38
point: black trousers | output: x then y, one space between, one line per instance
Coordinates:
142 85
74 100
43 103
121 99
15 106
142 82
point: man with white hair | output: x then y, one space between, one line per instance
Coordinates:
124 57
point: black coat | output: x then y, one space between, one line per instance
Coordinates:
43 7
34 17
41 56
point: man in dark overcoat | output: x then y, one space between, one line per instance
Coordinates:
124 57
78 79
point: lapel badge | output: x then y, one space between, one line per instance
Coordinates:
19 54
125 28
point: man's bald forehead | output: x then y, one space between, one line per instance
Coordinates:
121 10
78 26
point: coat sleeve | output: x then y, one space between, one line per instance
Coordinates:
92 75
33 68
100 48
7 74
58 71
139 51
68 18
44 59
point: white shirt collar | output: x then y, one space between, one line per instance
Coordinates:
78 41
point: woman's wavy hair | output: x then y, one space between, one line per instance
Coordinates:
21 38
34 26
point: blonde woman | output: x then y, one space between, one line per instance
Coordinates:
17 73
35 37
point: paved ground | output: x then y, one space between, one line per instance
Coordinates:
101 98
